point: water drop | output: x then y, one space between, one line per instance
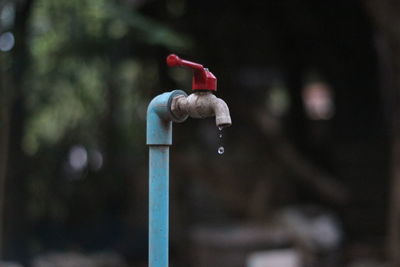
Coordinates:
220 135
221 150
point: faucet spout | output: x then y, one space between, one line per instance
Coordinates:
202 105
222 115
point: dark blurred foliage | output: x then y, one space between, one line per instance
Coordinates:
78 75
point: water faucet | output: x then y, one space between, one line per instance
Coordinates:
202 103
174 106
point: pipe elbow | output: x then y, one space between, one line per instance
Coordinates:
160 118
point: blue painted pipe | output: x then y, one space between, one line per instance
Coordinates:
158 205
159 139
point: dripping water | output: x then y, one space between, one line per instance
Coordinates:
221 148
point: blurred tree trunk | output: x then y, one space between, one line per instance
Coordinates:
4 135
386 16
15 199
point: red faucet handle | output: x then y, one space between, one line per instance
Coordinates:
203 79
173 60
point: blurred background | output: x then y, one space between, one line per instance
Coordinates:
311 170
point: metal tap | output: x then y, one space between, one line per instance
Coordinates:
202 103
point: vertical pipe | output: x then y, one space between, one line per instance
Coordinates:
158 205
159 139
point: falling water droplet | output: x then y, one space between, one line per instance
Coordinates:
221 150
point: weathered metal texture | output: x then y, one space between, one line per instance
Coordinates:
202 105
158 205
